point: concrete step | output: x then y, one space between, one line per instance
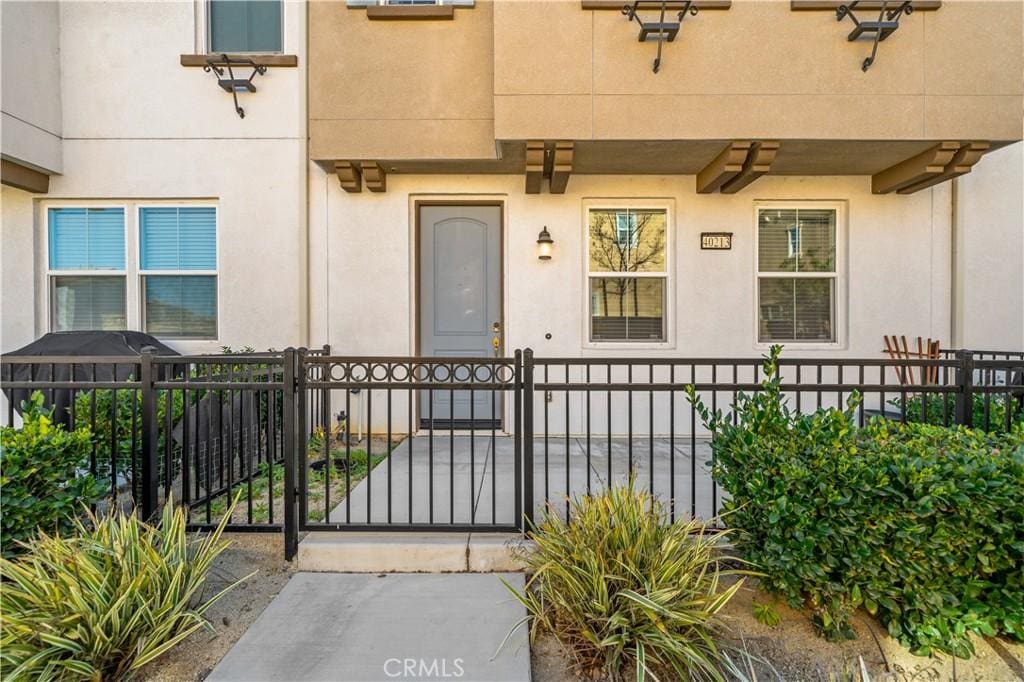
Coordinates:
363 552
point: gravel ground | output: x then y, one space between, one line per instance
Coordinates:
792 648
795 652
798 653
194 658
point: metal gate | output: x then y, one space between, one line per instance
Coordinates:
361 461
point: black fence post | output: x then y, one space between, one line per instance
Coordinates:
517 434
291 441
527 421
325 397
303 430
964 412
150 437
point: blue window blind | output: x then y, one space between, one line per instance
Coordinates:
86 238
245 25
181 306
178 238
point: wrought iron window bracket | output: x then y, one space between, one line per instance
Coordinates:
660 31
878 30
232 84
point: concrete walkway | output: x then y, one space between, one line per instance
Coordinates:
470 480
337 627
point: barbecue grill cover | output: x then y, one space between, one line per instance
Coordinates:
84 344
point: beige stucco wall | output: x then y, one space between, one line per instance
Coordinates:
122 77
514 70
31 84
989 247
758 70
139 127
895 251
17 287
260 213
401 89
896 257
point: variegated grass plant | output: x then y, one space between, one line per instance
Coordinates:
621 588
102 602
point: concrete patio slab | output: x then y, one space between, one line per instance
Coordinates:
470 480
426 480
364 628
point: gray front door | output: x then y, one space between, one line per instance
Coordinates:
460 305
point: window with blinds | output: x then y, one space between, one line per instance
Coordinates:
86 268
245 25
180 307
627 273
797 275
178 268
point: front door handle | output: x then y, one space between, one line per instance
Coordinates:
496 339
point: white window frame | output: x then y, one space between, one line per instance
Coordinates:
838 274
140 273
204 43
50 273
669 276
132 255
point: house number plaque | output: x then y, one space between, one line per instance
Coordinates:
715 241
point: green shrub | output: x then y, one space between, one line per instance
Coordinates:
921 525
105 601
935 413
127 420
128 424
42 484
620 588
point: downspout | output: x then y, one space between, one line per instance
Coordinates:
954 280
305 283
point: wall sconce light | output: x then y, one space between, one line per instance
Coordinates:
232 84
544 244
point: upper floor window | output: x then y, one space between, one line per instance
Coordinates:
627 273
797 274
245 25
86 268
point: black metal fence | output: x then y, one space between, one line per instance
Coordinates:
618 417
201 429
311 441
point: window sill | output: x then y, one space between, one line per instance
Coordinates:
627 346
283 60
410 12
802 345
